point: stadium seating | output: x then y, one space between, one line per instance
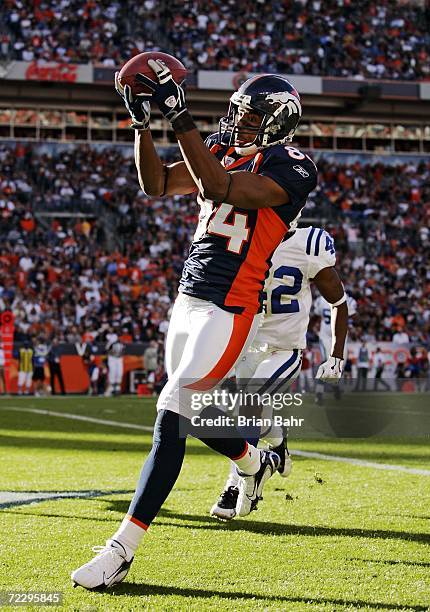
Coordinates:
383 40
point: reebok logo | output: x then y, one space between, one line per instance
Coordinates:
301 171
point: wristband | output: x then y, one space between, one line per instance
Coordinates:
139 126
339 302
183 123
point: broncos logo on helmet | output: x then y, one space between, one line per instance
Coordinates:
275 99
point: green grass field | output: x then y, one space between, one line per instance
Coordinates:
334 536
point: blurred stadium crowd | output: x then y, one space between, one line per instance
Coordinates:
337 38
61 279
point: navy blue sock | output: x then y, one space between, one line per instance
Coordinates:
161 468
228 441
253 441
251 432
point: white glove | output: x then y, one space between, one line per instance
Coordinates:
330 371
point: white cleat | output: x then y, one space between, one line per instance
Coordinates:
109 567
251 487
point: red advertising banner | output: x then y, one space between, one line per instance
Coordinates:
7 328
52 72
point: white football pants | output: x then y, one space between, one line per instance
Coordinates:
24 379
116 369
204 343
271 371
275 368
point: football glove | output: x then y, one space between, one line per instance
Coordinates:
138 106
169 96
330 371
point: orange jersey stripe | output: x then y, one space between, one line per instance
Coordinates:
245 289
215 148
239 334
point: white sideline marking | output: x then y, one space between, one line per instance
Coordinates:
8 499
78 417
352 461
363 463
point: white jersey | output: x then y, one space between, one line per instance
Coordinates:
295 263
323 309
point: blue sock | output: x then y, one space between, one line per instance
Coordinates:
161 468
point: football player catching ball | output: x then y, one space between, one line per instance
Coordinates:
251 185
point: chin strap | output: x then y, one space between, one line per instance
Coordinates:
253 148
249 150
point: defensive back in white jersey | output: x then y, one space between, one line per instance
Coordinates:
296 261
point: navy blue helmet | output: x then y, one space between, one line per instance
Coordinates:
275 99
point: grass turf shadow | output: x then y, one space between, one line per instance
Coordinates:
121 506
133 588
266 527
256 527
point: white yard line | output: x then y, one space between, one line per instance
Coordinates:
9 499
362 463
79 417
310 454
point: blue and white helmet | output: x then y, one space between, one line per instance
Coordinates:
275 99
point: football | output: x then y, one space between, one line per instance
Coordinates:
139 64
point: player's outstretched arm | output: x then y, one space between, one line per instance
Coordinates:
242 189
155 178
331 288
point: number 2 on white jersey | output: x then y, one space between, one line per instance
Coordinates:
276 304
237 231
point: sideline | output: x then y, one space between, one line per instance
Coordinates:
9 499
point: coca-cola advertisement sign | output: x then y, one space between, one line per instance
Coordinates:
52 72
55 72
